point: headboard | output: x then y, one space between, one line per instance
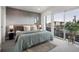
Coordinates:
21 27
18 28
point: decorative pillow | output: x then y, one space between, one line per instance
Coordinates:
34 27
26 28
18 32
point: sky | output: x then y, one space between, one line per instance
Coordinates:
69 16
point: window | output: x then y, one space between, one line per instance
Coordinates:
71 16
48 23
59 24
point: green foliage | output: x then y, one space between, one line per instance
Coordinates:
77 21
72 27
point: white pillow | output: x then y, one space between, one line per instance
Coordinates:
34 27
18 32
26 28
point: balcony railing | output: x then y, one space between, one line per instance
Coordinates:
60 33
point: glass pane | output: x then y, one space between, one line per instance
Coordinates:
48 23
72 16
59 24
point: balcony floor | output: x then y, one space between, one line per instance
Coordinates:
64 46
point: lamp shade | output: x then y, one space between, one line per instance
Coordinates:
11 27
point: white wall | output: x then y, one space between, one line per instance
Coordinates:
44 18
3 23
43 21
15 16
0 27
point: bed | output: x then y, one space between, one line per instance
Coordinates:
28 39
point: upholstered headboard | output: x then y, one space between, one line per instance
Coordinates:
23 27
18 28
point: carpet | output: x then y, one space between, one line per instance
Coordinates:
43 47
7 46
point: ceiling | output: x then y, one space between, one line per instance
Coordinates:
41 9
56 9
38 9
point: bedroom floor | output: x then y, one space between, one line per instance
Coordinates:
7 45
61 45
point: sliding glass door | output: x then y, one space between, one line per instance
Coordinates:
60 19
72 16
56 23
59 24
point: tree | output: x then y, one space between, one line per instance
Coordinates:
72 27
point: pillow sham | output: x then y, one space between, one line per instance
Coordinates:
26 28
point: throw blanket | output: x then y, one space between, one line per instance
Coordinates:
27 40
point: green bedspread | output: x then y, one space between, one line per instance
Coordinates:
25 32
25 41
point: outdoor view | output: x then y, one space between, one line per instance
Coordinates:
60 19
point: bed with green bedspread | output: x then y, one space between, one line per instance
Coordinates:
25 32
25 40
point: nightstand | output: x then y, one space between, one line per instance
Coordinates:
11 35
